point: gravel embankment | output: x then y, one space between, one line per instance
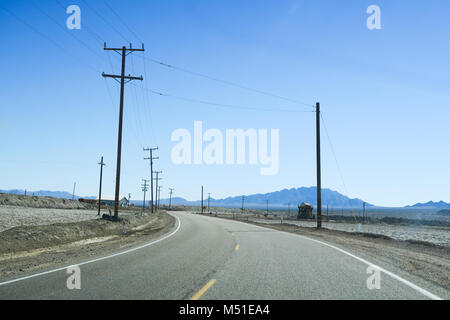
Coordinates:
17 200
13 216
436 235
33 247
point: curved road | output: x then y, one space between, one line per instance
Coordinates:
210 258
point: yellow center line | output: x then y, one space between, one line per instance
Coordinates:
237 247
203 290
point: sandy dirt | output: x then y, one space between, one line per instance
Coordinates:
436 235
28 248
13 216
21 210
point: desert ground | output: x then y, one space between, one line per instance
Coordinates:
35 237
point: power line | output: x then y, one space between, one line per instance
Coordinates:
137 130
48 38
137 119
204 75
85 26
198 74
66 30
107 22
222 105
137 136
198 101
147 100
122 21
136 139
334 154
140 120
337 163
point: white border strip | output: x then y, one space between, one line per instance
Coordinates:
392 275
98 259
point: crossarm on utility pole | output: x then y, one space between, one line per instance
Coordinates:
119 50
105 75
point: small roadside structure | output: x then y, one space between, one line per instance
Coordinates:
305 211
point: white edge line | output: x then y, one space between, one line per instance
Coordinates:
98 259
392 275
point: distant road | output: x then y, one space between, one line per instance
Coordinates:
210 258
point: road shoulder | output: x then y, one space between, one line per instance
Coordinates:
27 249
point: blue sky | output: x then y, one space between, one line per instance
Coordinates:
384 94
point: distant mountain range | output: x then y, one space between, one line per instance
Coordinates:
45 193
279 199
431 204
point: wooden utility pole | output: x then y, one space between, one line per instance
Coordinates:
73 192
267 212
123 52
101 163
151 158
145 189
364 211
158 197
242 208
319 183
209 199
170 197
156 188
202 200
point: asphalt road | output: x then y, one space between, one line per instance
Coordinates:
210 258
